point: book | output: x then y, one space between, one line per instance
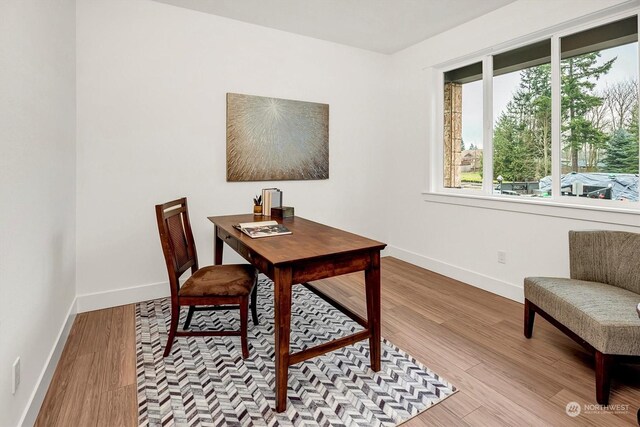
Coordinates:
265 201
271 198
266 208
262 229
276 199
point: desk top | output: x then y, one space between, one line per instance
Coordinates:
309 239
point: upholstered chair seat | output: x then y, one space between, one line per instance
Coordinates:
220 280
602 315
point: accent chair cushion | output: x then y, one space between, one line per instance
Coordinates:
220 280
603 315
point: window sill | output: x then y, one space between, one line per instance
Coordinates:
551 208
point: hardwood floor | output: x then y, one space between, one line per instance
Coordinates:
95 381
471 337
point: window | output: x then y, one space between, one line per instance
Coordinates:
522 119
591 153
599 98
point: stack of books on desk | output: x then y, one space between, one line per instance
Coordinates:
271 198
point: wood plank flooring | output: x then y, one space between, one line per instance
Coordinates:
95 381
471 337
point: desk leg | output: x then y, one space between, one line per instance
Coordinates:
372 281
282 324
217 247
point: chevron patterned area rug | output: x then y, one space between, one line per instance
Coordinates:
205 381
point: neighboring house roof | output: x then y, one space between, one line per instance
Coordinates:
471 153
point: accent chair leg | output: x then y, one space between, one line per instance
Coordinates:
187 321
603 379
244 320
529 316
254 302
175 314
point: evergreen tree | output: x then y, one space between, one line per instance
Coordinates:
622 153
504 144
579 76
522 135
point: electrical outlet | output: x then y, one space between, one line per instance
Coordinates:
16 376
502 257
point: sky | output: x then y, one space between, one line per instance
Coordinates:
624 68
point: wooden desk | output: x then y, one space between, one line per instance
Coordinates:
314 251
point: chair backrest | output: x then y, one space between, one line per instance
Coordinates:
605 256
177 241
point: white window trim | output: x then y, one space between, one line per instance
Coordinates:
487 125
610 211
541 207
556 120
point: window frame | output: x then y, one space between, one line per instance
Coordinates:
435 77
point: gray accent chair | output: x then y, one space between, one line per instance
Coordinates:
597 305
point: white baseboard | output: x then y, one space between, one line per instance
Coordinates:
116 297
42 385
490 284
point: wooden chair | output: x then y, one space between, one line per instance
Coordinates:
217 287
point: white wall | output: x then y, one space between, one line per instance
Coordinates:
151 85
37 189
152 80
151 89
456 239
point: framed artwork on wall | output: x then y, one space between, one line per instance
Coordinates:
272 139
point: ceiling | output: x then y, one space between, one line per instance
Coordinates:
384 26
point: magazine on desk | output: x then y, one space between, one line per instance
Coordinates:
262 229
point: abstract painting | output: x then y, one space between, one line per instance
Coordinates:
271 139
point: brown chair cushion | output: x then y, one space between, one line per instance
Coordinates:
220 280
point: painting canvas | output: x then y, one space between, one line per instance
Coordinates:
271 139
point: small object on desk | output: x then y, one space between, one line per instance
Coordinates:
262 229
282 212
257 205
